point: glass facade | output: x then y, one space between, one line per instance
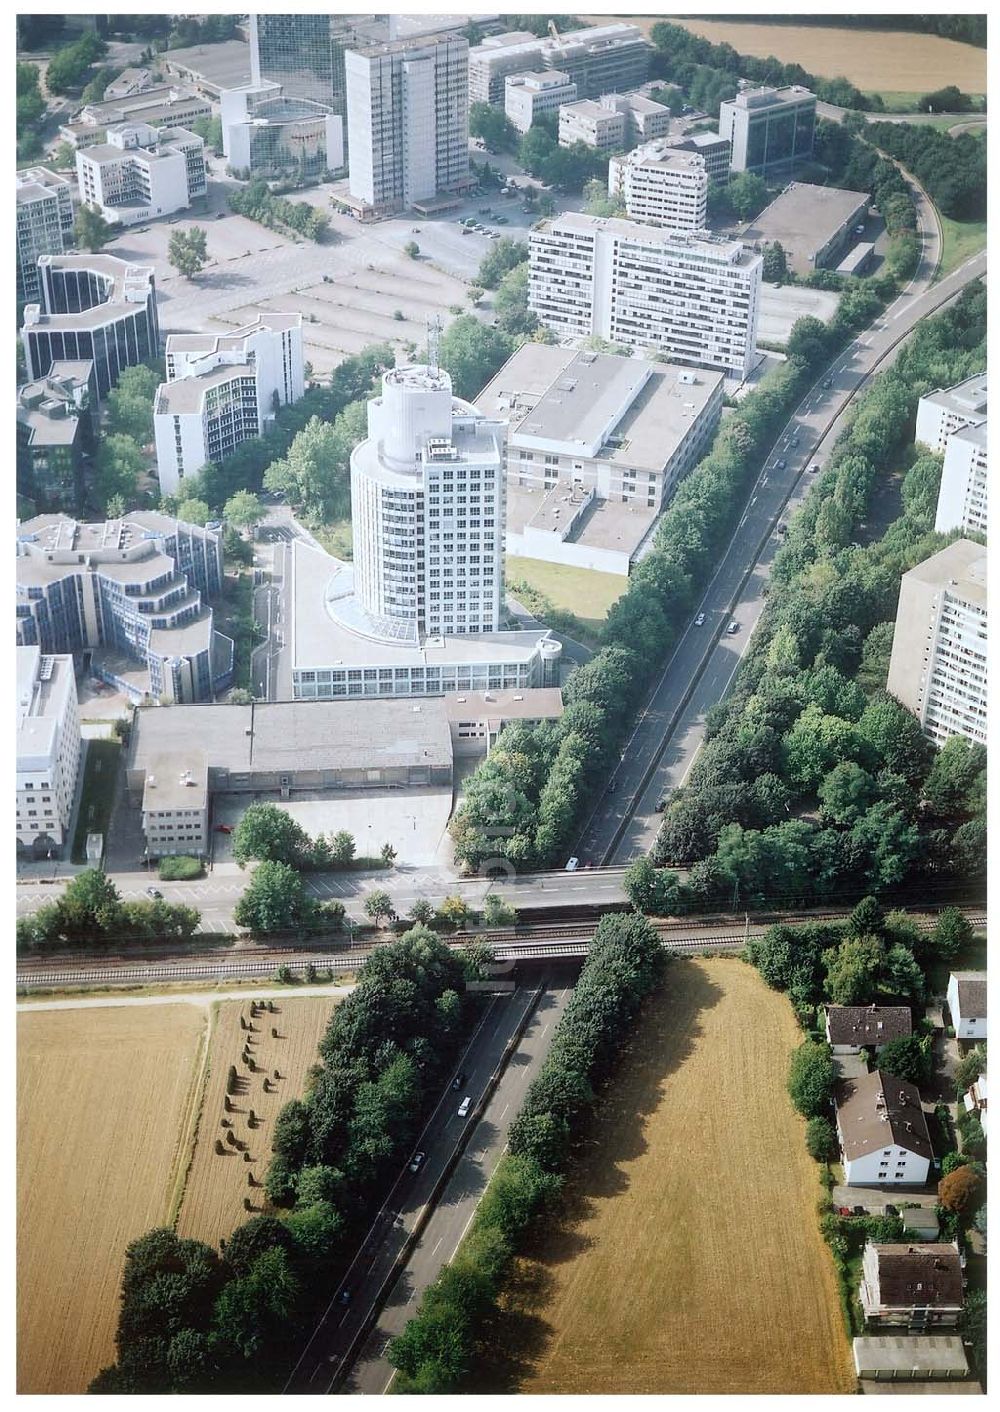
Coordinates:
304 53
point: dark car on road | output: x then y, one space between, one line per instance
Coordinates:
417 1161
458 1081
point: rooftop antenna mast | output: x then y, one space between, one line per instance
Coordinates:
433 342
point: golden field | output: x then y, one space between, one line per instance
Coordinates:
877 61
103 1098
689 1258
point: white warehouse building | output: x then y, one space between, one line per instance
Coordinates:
222 390
690 295
661 186
141 172
48 750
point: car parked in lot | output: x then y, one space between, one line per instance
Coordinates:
223 828
417 1161
464 1106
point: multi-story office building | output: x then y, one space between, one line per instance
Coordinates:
408 123
265 133
48 751
420 609
168 105
618 433
953 420
56 429
142 172
661 186
770 129
714 150
614 120
938 665
92 307
694 297
223 389
44 223
129 595
602 59
305 54
175 804
527 96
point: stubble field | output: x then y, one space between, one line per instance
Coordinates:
690 1260
103 1098
217 1184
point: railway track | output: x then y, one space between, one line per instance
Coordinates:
569 939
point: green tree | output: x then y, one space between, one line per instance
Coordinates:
275 900
747 194
472 353
193 512
821 1140
511 302
422 911
187 251
811 1079
846 792
503 256
342 847
775 262
91 230
243 510
117 468
907 1057
267 832
412 249
378 906
852 970
952 934
68 67
969 1068
493 127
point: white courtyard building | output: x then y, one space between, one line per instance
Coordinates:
938 665
692 296
48 750
141 172
420 609
527 96
222 390
661 186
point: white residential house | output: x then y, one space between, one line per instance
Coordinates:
917 1287
222 390
141 172
883 1133
48 750
967 1003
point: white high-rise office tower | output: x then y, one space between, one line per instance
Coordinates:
427 496
407 122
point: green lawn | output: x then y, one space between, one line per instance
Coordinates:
336 539
960 240
584 593
99 779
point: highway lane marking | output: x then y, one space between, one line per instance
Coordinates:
506 1106
434 1251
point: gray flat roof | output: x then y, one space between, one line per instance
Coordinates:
907 1353
967 398
962 567
527 704
286 736
805 217
172 785
606 524
223 65
187 394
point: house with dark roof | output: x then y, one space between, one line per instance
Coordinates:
883 1133
916 1286
967 1003
850 1028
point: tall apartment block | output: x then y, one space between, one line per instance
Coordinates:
142 172
694 297
44 223
602 59
661 186
48 751
222 390
769 129
953 420
938 664
407 122
129 593
92 307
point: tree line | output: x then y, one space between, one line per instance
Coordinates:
259 203
194 1319
809 728
969 29
459 1319
952 169
90 912
525 802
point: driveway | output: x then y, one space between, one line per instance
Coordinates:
875 1199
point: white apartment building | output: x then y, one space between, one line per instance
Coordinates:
528 95
175 805
48 750
692 296
661 186
938 665
407 123
44 224
953 420
222 390
598 124
141 172
600 59
883 1132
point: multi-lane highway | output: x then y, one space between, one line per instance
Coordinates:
670 729
409 1242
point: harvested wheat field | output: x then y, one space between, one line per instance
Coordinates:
874 60
103 1101
690 1260
218 1183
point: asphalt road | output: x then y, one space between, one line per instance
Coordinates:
453 1213
670 730
366 1280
